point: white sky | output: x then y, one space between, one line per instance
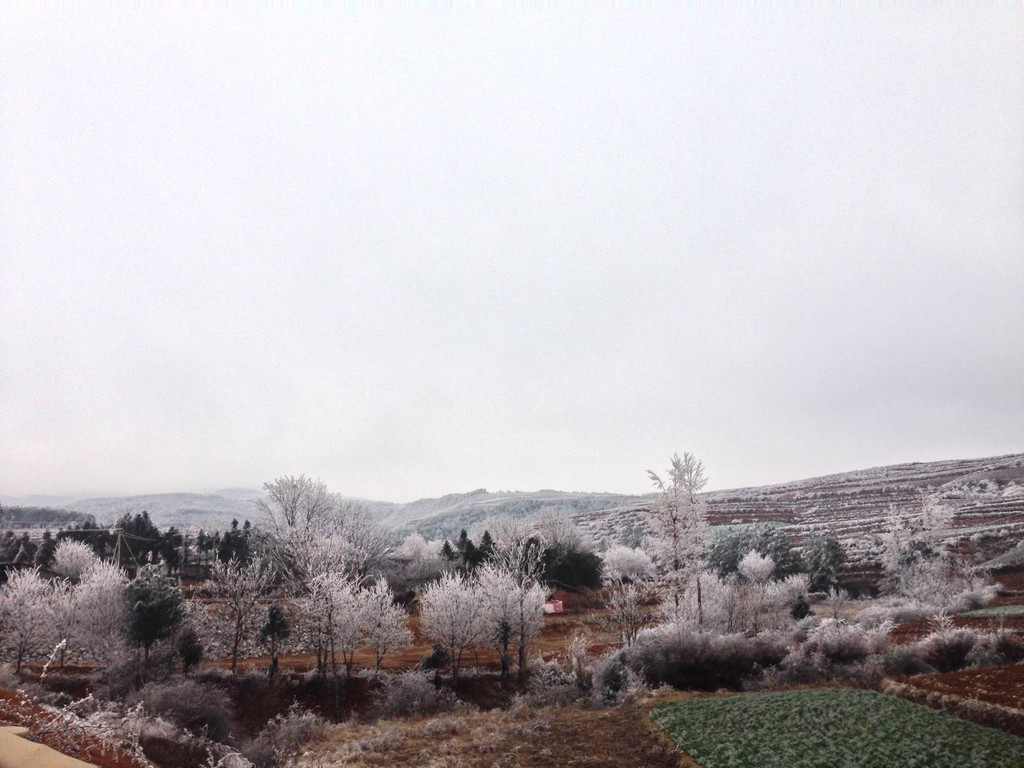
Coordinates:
415 253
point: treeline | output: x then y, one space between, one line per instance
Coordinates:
36 517
566 562
134 540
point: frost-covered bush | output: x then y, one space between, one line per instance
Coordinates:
622 563
101 610
834 650
412 693
841 642
995 649
550 685
8 678
906 660
893 611
944 583
71 559
613 679
947 649
689 659
205 710
282 737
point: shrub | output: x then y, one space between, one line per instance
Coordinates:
122 675
8 678
551 686
906 660
282 737
612 679
1009 646
705 661
948 649
204 710
189 648
438 658
412 693
800 609
833 651
841 642
897 612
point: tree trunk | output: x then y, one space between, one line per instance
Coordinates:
234 648
700 606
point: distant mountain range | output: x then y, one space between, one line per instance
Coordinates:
987 494
183 510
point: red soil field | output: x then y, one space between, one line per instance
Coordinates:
996 685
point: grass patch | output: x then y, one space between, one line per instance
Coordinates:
1013 557
831 728
997 610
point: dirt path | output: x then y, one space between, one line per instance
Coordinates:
622 737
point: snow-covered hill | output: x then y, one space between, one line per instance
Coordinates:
986 494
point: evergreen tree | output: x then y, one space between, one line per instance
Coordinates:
44 553
26 550
170 546
156 607
486 547
448 553
274 631
189 648
824 559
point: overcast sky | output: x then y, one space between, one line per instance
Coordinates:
420 253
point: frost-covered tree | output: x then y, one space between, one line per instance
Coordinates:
730 545
298 514
349 613
895 541
725 602
312 531
333 615
936 520
677 531
622 563
452 613
513 612
366 543
236 587
756 570
416 561
529 615
384 627
626 611
102 610
824 558
25 615
497 591
63 607
518 549
72 558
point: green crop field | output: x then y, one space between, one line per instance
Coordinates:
999 610
831 728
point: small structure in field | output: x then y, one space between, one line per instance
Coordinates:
553 606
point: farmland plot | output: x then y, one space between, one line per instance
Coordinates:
830 728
